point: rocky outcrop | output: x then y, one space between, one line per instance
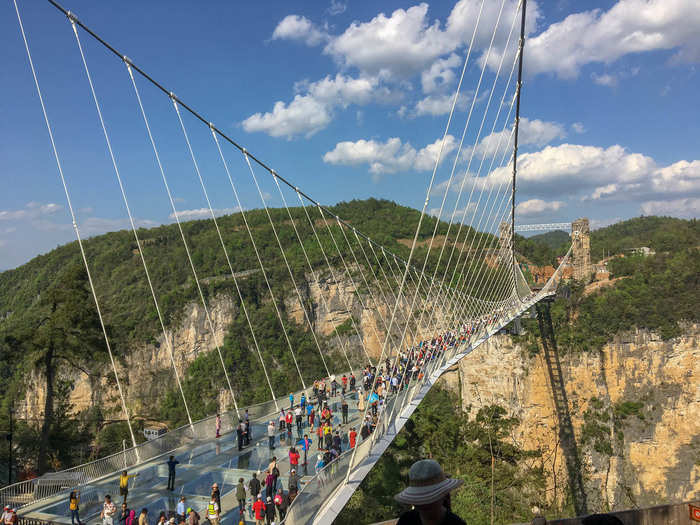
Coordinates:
644 391
147 371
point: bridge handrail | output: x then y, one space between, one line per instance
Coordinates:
327 480
29 491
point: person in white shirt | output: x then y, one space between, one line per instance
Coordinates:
109 509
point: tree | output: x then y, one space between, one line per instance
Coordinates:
68 332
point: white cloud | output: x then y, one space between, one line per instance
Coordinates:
299 28
578 127
336 8
688 207
605 79
385 50
32 210
601 174
388 157
303 115
537 207
439 104
532 132
343 90
630 26
601 191
312 111
204 213
440 74
408 42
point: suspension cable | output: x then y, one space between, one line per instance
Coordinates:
75 227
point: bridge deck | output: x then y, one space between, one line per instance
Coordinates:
201 465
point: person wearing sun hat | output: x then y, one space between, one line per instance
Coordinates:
429 492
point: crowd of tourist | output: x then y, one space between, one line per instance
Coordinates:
323 417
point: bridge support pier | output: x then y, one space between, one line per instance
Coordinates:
567 438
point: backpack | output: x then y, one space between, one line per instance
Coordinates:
275 472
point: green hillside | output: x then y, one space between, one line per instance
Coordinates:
44 330
48 324
658 233
658 292
555 239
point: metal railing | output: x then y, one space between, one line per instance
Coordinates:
30 491
321 487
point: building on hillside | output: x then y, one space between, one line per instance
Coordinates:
643 250
601 272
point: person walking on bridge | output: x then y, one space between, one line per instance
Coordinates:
254 486
124 484
73 505
213 511
171 472
239 434
271 434
259 510
344 409
240 496
109 509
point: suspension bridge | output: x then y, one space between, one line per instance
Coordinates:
458 285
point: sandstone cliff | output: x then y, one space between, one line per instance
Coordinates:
148 369
654 449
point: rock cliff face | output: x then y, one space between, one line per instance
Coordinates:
635 406
148 370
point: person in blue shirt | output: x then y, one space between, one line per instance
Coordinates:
171 472
180 509
303 401
291 400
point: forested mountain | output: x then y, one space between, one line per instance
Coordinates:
48 321
658 233
44 329
555 239
659 293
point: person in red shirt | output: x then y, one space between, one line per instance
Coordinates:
293 458
259 509
289 419
353 437
319 432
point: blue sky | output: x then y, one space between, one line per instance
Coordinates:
350 100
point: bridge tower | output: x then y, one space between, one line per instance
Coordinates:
581 252
504 239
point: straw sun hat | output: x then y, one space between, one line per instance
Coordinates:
427 484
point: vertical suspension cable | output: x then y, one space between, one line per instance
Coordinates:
76 228
131 220
349 273
427 255
291 276
492 90
521 48
313 275
216 226
333 275
179 225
